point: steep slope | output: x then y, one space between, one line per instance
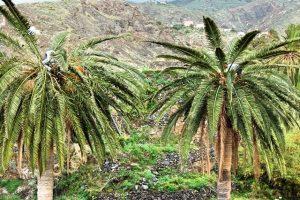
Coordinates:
262 15
241 15
170 14
210 5
91 18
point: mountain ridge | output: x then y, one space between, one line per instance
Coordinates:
241 15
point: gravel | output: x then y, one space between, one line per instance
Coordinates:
155 195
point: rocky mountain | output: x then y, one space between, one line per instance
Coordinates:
91 18
210 5
146 21
262 14
241 15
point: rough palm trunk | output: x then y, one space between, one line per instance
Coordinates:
235 151
207 153
256 159
206 157
225 157
45 181
203 145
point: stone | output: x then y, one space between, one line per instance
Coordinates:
3 191
145 187
166 162
25 192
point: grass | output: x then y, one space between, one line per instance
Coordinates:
141 154
11 185
10 197
136 164
279 186
292 156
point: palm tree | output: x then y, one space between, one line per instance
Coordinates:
236 92
293 58
43 99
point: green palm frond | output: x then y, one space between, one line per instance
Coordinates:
8 41
212 33
214 107
240 45
80 92
58 41
255 96
183 50
21 25
93 42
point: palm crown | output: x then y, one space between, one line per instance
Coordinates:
41 99
292 58
232 87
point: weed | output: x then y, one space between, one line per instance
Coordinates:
11 185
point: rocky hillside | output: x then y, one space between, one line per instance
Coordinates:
148 21
263 15
210 5
91 18
241 15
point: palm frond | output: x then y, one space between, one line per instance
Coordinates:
212 33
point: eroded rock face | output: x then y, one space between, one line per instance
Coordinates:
91 18
261 15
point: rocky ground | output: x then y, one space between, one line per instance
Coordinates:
154 195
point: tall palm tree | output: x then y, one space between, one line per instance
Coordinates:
41 99
238 93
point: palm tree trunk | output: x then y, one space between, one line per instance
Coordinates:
235 152
205 140
256 159
45 181
207 154
203 145
225 158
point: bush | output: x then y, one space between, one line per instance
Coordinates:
11 185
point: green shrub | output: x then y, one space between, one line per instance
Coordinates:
10 197
11 185
180 181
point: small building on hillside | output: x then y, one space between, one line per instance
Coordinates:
199 26
188 23
240 33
